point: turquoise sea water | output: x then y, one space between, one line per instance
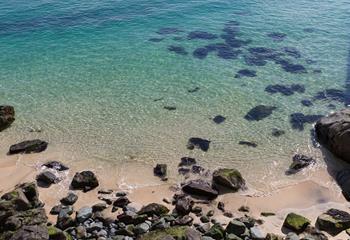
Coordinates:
87 74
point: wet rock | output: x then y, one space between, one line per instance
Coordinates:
267 214
183 206
236 227
204 219
332 133
201 188
296 223
31 146
177 49
160 170
259 113
70 199
156 39
201 35
277 132
257 233
199 143
248 144
7 116
221 206
306 103
153 209
47 178
184 220
168 30
184 171
229 178
85 180
121 202
170 108
219 119
83 214
196 169
333 221
297 120
343 180
56 165
245 73
299 162
276 36
187 161
216 232
121 194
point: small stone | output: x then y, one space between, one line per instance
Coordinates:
204 219
121 202
70 199
267 214
47 178
221 206
236 227
244 209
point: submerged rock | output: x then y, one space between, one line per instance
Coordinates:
85 180
201 35
296 223
277 132
259 113
7 116
249 144
285 90
201 188
177 49
200 143
306 103
187 161
299 162
333 221
229 178
332 94
245 73
298 120
168 30
170 108
196 89
31 146
219 119
332 132
276 36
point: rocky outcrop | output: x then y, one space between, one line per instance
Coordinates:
200 188
22 215
333 221
7 116
31 146
229 179
333 132
85 180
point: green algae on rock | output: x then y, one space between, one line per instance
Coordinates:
229 178
296 222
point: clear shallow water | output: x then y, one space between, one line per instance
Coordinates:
87 75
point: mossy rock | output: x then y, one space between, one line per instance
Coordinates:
178 233
296 223
333 221
272 236
216 232
154 209
57 234
228 178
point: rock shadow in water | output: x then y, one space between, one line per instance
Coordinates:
259 112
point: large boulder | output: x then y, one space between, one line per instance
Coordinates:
228 178
30 146
333 221
333 132
200 188
85 180
296 222
7 116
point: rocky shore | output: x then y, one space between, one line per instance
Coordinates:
192 212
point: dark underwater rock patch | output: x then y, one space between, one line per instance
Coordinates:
177 49
309 30
297 120
219 119
294 68
201 35
155 39
253 60
332 94
170 108
199 143
245 73
168 30
277 132
259 112
292 52
285 90
306 103
277 36
178 38
247 143
300 161
200 53
234 42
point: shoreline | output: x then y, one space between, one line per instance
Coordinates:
306 197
